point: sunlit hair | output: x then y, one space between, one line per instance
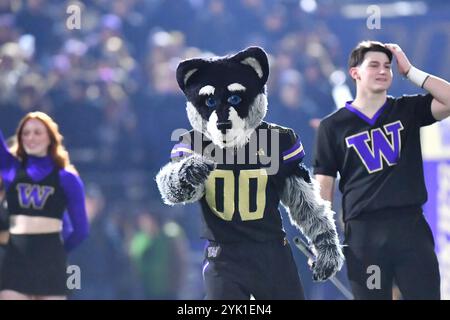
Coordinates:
56 148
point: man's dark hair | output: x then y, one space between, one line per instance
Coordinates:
358 53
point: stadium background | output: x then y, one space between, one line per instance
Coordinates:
111 87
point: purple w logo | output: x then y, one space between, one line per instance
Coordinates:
32 195
381 146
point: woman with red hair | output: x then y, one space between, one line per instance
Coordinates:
41 184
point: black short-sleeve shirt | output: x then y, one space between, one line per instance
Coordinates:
379 159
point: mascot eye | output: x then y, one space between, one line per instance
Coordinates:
234 100
210 102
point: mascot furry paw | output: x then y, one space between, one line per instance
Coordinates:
240 167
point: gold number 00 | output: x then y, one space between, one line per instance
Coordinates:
243 196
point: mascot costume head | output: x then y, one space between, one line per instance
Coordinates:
226 105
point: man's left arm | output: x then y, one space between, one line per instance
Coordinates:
440 90
437 87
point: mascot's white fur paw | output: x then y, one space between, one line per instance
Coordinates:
183 181
330 258
314 217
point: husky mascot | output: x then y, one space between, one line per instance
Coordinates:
240 167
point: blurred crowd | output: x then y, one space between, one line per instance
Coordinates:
111 87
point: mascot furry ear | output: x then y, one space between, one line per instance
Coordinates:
254 57
226 105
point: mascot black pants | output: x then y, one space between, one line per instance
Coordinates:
265 270
391 246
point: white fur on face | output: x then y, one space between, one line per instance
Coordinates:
236 137
195 119
207 90
236 87
214 134
241 129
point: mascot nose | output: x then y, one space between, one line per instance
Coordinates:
224 126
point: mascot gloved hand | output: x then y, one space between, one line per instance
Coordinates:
183 182
239 167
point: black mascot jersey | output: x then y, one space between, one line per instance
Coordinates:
241 198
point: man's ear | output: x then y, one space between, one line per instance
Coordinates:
186 69
256 58
354 73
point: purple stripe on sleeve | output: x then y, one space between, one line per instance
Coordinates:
176 155
299 155
294 147
182 145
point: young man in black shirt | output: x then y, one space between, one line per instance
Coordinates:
374 144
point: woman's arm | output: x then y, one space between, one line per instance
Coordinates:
7 160
76 209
